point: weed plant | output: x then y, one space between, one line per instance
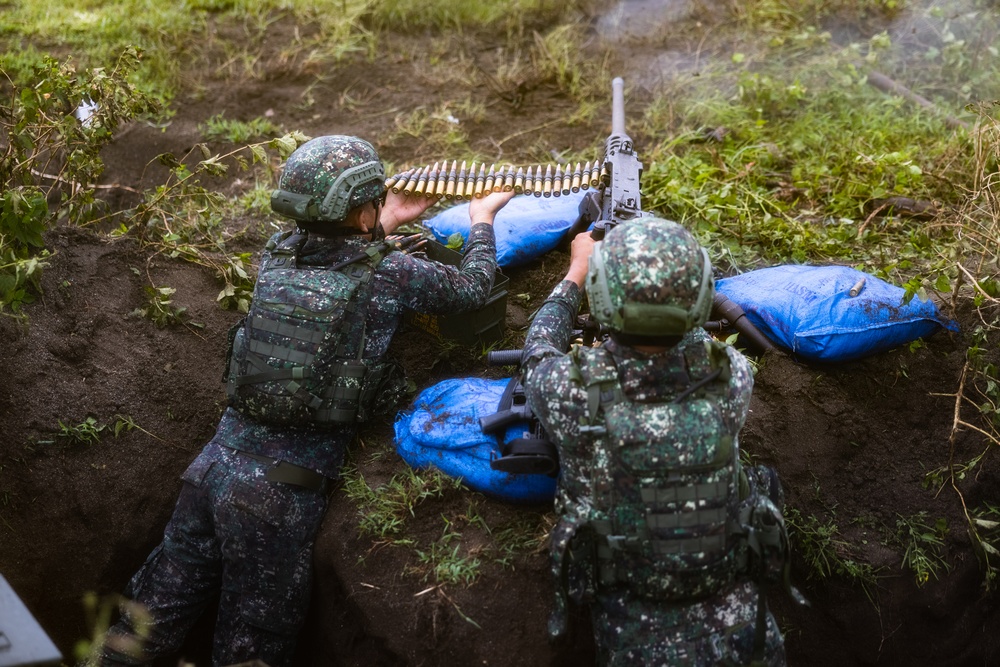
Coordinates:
923 545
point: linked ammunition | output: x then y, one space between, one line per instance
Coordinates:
575 182
519 181
508 181
477 179
490 177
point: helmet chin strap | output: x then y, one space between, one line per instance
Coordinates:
377 232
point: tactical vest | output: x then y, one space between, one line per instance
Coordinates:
665 480
297 356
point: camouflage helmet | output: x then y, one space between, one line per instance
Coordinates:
650 277
328 176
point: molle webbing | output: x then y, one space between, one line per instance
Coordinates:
295 356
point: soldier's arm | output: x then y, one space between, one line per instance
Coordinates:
431 287
548 337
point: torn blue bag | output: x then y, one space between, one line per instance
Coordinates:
526 228
809 310
441 429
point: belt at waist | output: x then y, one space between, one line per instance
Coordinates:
288 473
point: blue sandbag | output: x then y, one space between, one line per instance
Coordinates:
808 310
441 429
526 228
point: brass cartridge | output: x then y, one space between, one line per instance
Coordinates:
411 183
508 180
470 183
442 180
557 181
449 190
519 181
574 185
460 183
547 181
490 177
498 181
595 174
422 181
480 181
392 181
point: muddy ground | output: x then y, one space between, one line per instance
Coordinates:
852 442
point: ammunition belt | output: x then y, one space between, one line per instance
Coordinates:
465 182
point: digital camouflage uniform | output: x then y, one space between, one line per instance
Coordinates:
252 539
633 623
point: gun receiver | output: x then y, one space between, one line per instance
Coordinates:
617 198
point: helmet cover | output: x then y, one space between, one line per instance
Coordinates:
650 277
328 176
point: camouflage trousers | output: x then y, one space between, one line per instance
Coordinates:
234 535
630 630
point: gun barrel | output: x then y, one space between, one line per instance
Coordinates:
617 106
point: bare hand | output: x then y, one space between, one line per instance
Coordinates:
400 209
485 209
579 258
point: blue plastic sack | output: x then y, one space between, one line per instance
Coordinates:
526 228
808 310
441 429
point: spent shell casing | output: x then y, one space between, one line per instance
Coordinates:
856 289
480 181
519 180
574 185
508 179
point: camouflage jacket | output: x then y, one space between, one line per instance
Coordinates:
402 283
556 396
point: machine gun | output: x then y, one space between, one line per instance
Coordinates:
617 199
532 453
